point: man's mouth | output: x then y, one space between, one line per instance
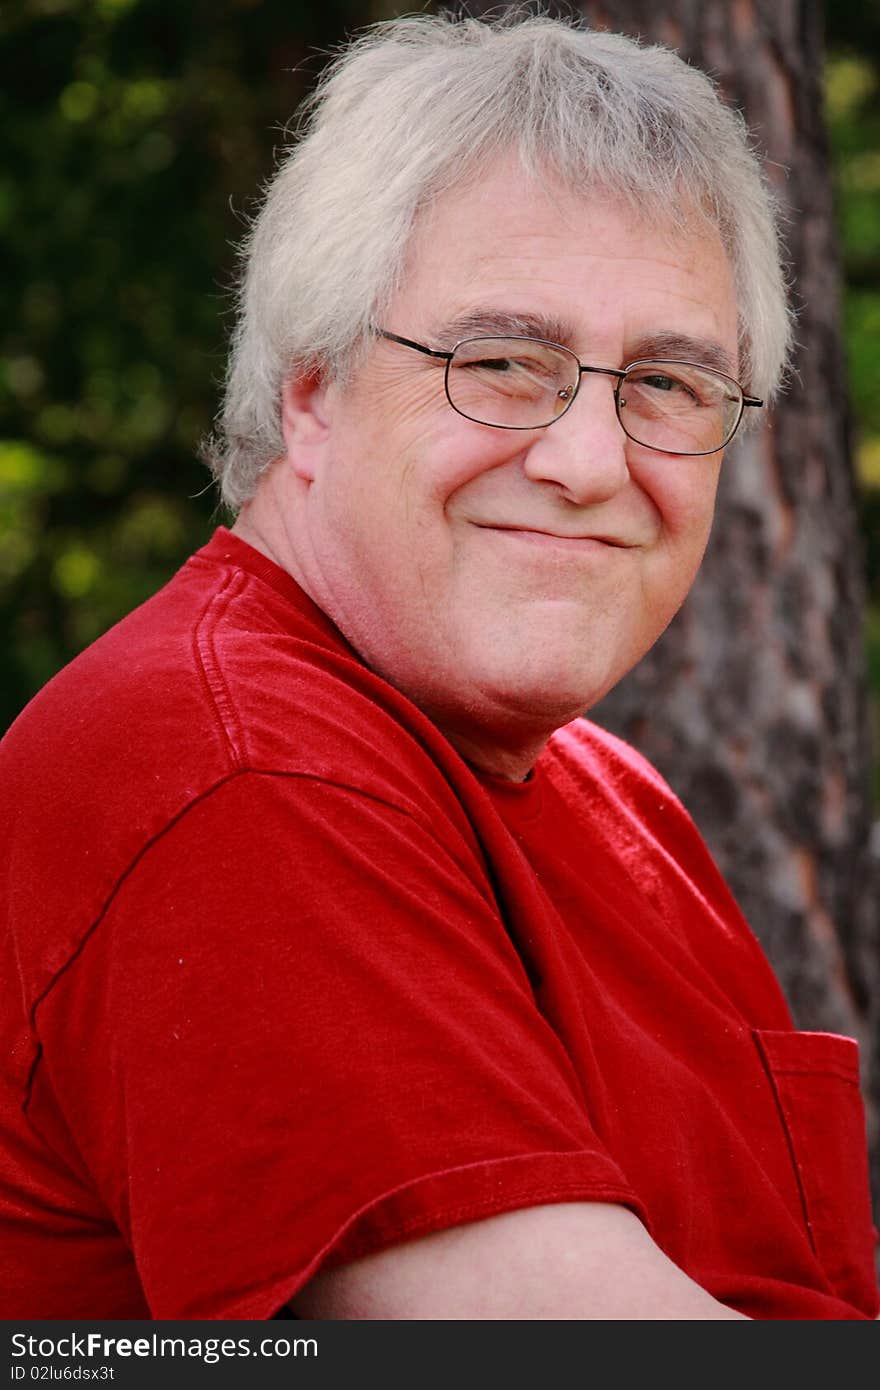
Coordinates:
545 535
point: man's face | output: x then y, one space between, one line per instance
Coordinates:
505 579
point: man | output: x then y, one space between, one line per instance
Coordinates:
355 973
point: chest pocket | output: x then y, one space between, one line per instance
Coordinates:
815 1078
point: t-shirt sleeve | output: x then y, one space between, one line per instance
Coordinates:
311 1038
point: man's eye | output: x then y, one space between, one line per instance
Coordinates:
658 382
529 368
493 364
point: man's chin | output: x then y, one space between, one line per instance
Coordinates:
545 699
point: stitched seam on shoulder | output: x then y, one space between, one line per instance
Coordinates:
413 816
93 926
154 839
339 785
209 667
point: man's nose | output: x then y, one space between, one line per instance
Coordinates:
584 451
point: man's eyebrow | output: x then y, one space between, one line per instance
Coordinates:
683 347
478 323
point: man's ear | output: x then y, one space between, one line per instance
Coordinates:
304 422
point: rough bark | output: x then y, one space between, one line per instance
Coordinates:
754 703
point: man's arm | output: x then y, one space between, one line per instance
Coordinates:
572 1260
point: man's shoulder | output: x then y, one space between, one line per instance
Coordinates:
229 667
115 701
227 672
586 750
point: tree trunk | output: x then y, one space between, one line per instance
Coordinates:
754 703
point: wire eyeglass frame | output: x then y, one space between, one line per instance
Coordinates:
620 373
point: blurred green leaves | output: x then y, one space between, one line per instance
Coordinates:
853 106
136 135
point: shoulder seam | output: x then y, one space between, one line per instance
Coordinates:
234 775
209 667
105 906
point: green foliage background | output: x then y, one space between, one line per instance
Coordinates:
136 135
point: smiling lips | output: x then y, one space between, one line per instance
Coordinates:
538 536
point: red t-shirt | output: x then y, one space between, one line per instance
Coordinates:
290 983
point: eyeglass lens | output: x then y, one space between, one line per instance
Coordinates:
521 383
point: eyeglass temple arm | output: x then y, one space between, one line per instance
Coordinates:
447 356
615 371
408 342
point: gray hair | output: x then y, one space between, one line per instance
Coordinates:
415 106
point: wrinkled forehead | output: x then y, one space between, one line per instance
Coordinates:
552 245
646 204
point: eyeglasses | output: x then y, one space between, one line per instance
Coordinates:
518 383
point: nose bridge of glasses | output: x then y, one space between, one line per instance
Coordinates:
586 453
567 394
602 371
595 414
